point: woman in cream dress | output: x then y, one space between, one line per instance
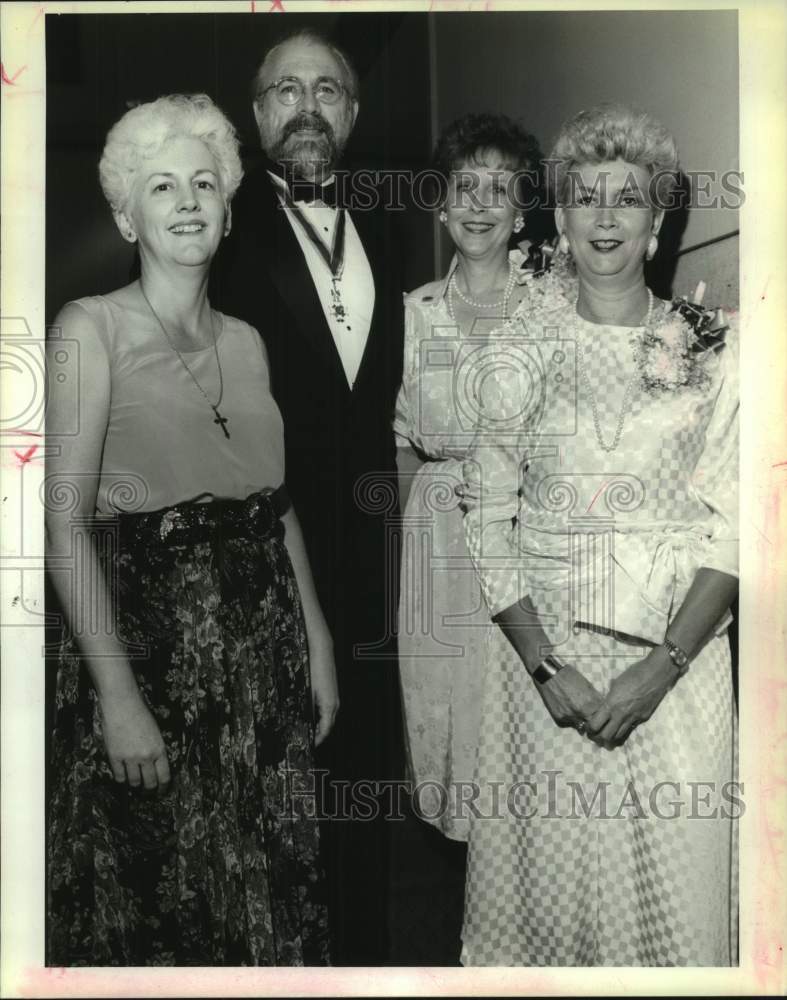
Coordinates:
445 636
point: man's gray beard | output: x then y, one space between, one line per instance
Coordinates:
312 159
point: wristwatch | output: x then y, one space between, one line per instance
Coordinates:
547 668
678 656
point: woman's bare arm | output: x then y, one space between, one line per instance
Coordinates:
134 745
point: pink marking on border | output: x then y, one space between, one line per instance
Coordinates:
37 18
276 5
24 459
768 953
761 533
10 80
778 465
598 494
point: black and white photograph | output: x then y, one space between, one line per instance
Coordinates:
393 449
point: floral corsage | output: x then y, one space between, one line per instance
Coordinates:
673 353
549 275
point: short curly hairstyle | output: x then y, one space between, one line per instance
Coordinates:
472 139
610 132
143 130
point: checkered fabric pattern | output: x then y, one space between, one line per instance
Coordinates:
667 488
668 491
557 877
608 362
579 855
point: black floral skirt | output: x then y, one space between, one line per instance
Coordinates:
222 868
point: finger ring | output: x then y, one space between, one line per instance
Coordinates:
581 727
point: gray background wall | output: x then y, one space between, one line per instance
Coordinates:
544 67
418 72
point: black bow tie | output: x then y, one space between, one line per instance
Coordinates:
309 192
303 190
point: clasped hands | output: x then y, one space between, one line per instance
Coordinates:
609 719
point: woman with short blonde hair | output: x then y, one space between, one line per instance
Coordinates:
196 647
602 519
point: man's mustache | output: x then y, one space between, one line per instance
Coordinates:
305 120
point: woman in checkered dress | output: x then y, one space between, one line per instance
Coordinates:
601 498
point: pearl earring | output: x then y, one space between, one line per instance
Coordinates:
518 224
653 245
563 245
443 217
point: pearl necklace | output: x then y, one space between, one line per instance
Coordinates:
453 286
591 396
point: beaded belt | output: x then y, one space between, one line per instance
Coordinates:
185 523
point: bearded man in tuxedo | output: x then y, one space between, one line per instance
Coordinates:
319 279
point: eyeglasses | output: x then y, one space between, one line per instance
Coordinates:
290 90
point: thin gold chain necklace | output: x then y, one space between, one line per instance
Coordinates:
218 418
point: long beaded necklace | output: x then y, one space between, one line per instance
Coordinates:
218 418
591 395
453 286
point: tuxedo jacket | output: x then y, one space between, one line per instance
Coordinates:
340 466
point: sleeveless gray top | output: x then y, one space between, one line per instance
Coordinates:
161 444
